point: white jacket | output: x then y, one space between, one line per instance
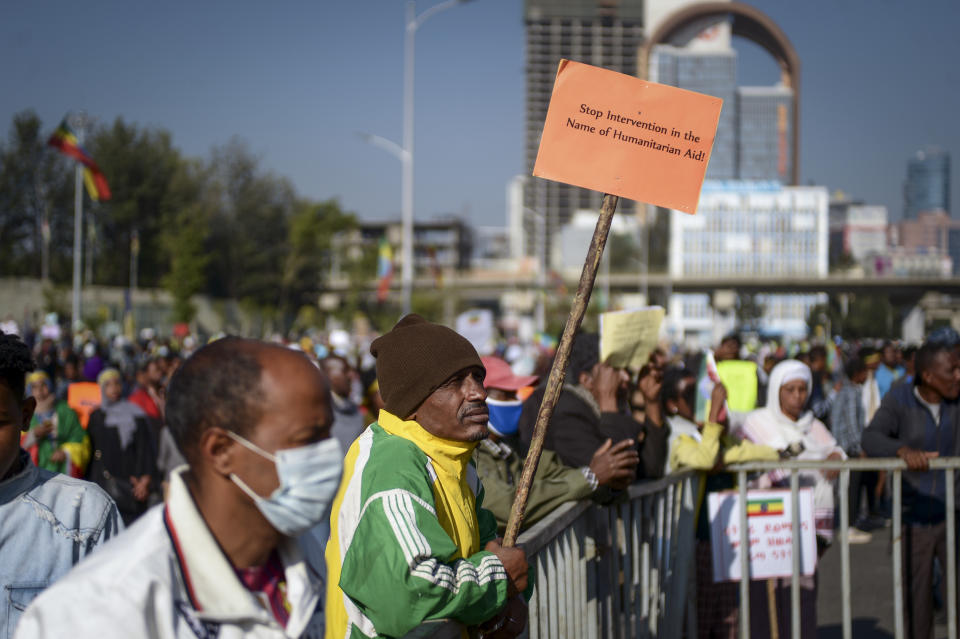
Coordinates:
166 578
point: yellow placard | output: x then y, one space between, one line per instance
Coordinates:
628 337
740 378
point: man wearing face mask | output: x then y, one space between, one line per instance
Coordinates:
226 554
409 539
499 466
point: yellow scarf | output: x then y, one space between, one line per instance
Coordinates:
454 498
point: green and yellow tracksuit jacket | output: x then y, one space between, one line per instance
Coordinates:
406 529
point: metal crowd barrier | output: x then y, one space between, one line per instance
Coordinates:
620 571
896 466
626 570
615 571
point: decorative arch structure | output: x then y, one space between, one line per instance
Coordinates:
750 23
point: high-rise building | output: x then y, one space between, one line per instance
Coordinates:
754 133
764 121
713 72
604 33
749 224
928 183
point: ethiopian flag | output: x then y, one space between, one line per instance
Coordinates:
384 269
764 507
65 140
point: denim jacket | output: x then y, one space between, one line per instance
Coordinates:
48 523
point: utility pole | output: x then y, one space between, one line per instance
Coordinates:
411 24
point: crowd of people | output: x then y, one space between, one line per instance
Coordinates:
333 486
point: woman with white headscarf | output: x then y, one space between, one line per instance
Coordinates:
787 425
124 459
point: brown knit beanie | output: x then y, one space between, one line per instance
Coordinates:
416 358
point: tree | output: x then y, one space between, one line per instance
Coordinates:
248 236
311 254
36 183
749 311
139 165
224 227
868 315
658 242
844 262
624 254
189 202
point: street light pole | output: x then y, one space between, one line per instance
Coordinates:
406 188
413 22
540 315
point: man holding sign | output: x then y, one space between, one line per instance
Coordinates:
409 539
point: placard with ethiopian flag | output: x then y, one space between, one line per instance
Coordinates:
770 531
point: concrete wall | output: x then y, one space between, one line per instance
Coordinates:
27 300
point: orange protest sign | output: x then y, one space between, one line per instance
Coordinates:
618 134
83 398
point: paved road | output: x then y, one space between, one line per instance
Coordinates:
871 591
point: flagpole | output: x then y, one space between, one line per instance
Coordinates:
77 237
78 122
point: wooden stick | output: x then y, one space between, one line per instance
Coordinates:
559 369
772 609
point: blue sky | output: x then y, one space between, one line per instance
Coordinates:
298 80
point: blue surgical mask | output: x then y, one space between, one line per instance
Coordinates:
309 476
504 415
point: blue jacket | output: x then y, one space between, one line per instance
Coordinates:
903 421
48 523
886 377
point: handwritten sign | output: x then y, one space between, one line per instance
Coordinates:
618 134
770 534
478 327
740 378
628 337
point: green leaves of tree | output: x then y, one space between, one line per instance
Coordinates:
222 225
